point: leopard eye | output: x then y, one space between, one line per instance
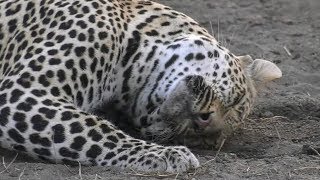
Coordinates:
205 116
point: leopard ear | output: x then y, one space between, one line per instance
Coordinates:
245 60
263 71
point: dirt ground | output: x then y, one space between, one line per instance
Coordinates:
282 138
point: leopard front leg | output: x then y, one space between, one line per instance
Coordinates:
53 129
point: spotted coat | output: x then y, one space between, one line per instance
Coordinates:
63 61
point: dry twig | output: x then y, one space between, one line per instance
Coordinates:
153 175
69 169
4 164
135 173
303 168
314 150
15 157
80 174
287 50
22 172
277 132
215 157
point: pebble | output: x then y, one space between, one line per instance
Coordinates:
267 114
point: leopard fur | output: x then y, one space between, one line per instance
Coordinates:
62 61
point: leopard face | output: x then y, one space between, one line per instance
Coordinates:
209 97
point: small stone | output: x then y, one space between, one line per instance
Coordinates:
38 168
233 156
267 114
277 61
296 56
275 52
287 21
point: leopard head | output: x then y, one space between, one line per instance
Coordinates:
203 109
205 90
207 112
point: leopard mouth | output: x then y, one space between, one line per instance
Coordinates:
201 124
195 127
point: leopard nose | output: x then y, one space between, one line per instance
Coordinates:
203 120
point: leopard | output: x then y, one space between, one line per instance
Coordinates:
62 62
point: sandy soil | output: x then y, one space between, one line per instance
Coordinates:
282 137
